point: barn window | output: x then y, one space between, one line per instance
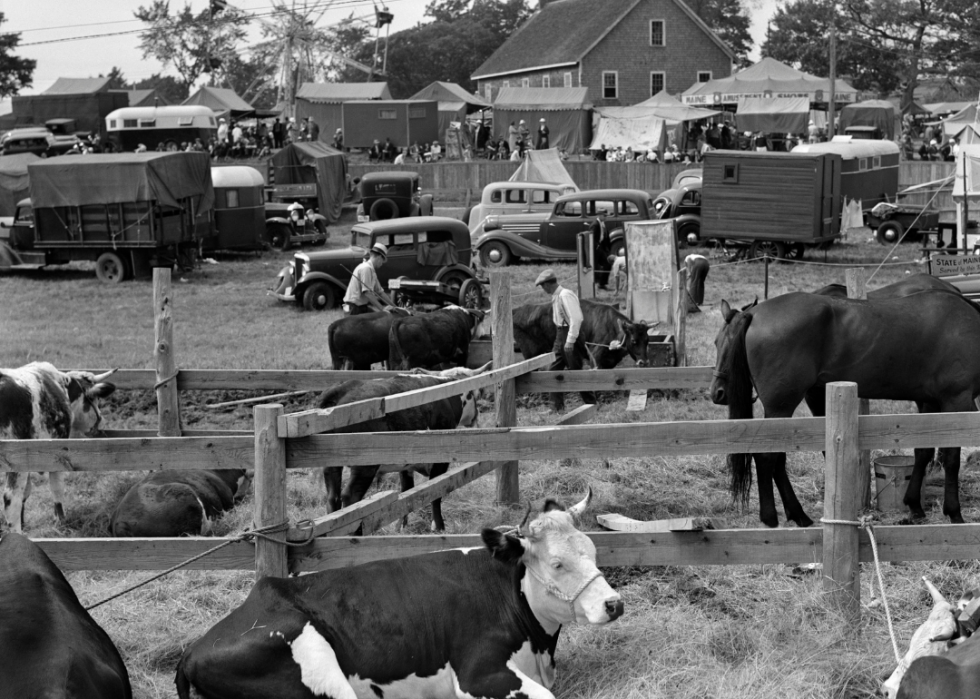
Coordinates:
525 82
657 37
568 79
730 173
704 76
506 83
657 82
488 93
387 113
545 81
416 113
610 84
231 199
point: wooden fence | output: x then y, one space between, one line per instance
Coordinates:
282 442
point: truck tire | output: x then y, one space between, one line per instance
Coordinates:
767 248
495 254
278 236
889 233
471 295
110 268
319 296
383 209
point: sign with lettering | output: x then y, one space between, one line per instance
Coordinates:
951 265
717 98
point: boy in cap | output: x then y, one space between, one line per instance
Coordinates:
569 346
364 283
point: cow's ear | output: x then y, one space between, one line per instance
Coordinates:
503 547
101 390
551 504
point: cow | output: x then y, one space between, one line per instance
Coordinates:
357 342
49 645
433 339
610 333
39 402
176 503
443 414
478 622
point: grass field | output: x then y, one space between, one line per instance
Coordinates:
688 633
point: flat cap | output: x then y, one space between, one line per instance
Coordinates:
547 275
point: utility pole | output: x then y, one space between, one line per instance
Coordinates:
832 105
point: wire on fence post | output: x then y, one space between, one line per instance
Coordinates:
765 294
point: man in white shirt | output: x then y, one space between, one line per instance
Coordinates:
697 271
617 271
364 284
222 130
570 351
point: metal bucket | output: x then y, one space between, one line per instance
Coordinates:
892 476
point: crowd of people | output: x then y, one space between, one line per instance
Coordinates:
388 152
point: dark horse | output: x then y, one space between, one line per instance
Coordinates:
900 348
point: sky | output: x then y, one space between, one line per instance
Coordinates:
53 21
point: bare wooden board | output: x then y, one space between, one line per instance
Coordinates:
637 400
146 554
259 380
621 523
579 416
347 518
624 379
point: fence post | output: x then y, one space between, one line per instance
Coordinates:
680 316
856 279
168 397
508 486
841 567
270 491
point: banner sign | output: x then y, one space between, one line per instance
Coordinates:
950 265
717 98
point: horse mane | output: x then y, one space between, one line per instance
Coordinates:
735 366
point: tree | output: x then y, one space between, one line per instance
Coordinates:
192 44
116 79
730 21
167 86
16 73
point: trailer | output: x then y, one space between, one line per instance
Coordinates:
771 204
127 212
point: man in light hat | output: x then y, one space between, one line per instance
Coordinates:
543 132
338 139
222 130
364 285
569 349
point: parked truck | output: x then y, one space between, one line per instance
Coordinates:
127 212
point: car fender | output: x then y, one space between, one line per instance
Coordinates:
522 247
316 217
453 268
476 218
687 219
311 277
277 219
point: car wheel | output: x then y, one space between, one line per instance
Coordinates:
619 248
278 236
383 209
319 296
690 235
471 295
495 254
110 268
795 251
889 233
454 280
767 248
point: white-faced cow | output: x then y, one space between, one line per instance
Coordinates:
39 402
49 645
448 625
176 503
357 342
443 414
433 340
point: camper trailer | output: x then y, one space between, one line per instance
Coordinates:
869 168
129 127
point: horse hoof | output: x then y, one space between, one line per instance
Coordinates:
803 521
956 519
771 522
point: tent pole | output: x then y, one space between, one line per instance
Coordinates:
832 106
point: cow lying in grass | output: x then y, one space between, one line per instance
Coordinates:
49 645
39 402
457 623
176 503
443 414
433 340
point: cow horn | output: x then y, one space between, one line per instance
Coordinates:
485 367
937 596
527 515
578 510
103 377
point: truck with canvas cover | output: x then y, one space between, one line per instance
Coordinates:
127 212
771 204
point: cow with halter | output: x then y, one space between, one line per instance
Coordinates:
38 401
358 341
456 623
433 340
443 414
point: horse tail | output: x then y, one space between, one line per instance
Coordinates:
736 366
338 363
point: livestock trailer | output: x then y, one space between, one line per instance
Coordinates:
775 203
170 125
869 169
127 212
403 121
239 208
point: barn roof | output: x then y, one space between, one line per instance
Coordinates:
77 86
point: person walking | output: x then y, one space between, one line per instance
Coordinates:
338 139
278 133
543 132
312 129
364 285
569 348
512 136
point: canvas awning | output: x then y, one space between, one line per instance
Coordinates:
542 166
777 115
959 121
542 99
637 133
767 79
335 93
451 95
310 162
969 156
14 181
946 107
118 178
878 113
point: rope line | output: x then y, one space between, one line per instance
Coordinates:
865 522
260 533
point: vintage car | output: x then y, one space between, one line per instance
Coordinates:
288 224
419 248
394 194
37 140
690 174
553 236
682 203
503 198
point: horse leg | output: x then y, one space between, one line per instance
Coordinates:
438 525
56 482
767 501
408 482
951 489
791 505
15 499
358 484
